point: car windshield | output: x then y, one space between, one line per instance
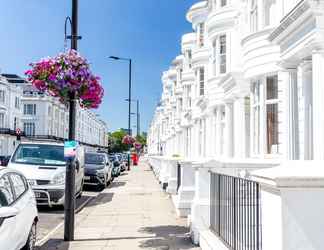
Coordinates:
33 154
94 159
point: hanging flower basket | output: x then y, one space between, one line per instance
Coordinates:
128 140
64 74
137 145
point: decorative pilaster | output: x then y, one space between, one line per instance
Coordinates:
229 139
318 104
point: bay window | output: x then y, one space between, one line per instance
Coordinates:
264 108
272 115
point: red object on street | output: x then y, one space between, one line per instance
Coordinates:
135 159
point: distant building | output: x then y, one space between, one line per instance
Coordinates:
36 113
10 112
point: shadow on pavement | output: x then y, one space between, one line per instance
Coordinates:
116 184
166 237
54 244
102 198
60 209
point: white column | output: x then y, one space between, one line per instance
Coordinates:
229 129
318 104
218 131
305 110
240 128
292 115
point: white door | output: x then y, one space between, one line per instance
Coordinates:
8 227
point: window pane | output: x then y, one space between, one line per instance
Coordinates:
6 194
201 81
272 87
222 54
272 129
19 184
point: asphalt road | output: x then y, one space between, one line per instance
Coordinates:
50 218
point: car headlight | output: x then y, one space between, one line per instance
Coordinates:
59 179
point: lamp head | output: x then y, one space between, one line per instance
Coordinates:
114 57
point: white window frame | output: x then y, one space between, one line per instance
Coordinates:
259 126
254 22
29 109
222 54
29 128
2 96
201 81
201 35
2 120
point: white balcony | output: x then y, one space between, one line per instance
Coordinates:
221 20
260 56
200 57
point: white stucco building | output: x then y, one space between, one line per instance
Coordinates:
10 113
35 113
243 99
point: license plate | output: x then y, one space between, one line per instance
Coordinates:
32 182
87 178
37 194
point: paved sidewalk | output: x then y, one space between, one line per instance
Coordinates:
131 214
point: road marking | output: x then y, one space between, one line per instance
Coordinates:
46 237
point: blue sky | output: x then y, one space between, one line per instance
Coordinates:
148 31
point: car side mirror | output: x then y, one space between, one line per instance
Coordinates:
8 212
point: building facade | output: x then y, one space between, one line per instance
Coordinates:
35 113
10 113
246 90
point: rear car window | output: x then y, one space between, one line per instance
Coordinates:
6 193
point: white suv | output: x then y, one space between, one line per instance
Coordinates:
18 212
43 164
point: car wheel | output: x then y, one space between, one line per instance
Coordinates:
31 241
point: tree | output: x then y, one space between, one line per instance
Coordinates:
115 141
142 139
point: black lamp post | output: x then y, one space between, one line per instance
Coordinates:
69 205
129 96
138 131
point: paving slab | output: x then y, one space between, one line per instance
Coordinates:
133 213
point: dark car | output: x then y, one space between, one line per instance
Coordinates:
116 165
98 170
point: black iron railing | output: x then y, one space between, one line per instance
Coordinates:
178 176
236 212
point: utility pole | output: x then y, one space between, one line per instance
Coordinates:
69 206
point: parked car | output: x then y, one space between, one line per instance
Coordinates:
123 163
98 169
18 212
116 165
43 163
4 159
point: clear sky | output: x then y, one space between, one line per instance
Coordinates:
148 31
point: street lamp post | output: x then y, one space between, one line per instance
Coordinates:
69 205
138 131
129 97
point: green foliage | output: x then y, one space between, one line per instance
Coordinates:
141 139
115 142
